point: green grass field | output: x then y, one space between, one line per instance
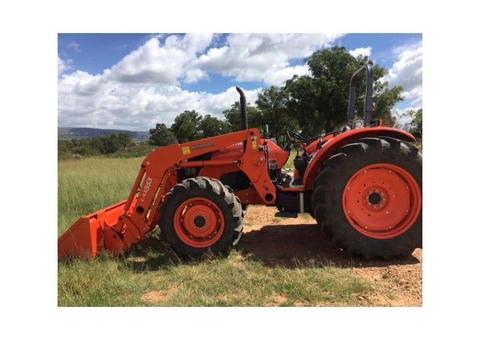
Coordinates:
151 274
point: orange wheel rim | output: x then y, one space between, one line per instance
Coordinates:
199 222
382 201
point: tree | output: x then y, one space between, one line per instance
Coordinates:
319 102
384 103
187 126
109 144
161 135
417 127
121 140
272 103
233 119
211 126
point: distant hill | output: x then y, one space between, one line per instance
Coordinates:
83 133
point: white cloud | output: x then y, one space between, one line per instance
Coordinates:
165 63
63 65
278 77
407 72
263 57
217 103
364 51
145 86
74 46
97 101
194 75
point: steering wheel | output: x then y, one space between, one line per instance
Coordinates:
296 137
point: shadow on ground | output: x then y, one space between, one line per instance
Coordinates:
151 255
290 246
300 245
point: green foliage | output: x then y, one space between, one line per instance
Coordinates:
133 150
187 126
234 121
272 103
111 143
417 126
94 146
271 109
211 126
161 135
319 102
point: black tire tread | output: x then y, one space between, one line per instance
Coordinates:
215 190
328 188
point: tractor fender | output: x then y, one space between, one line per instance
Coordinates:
345 138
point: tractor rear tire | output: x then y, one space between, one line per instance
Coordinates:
367 198
201 216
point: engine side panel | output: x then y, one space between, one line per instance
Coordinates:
231 174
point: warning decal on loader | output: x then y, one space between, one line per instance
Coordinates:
254 142
186 150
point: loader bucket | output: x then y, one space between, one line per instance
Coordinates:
86 237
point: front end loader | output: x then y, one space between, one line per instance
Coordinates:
361 183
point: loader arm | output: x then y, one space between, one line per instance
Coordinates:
116 228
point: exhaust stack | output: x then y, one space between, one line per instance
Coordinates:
243 108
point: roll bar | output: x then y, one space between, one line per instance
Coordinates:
368 102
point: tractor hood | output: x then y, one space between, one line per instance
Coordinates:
275 153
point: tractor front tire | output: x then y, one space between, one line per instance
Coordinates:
201 216
367 198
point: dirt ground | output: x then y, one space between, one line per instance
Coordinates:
294 242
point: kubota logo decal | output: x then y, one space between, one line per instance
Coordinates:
201 146
146 187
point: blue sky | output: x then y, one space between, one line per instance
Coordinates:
134 80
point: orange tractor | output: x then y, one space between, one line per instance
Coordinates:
362 185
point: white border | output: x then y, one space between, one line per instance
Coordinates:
29 168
